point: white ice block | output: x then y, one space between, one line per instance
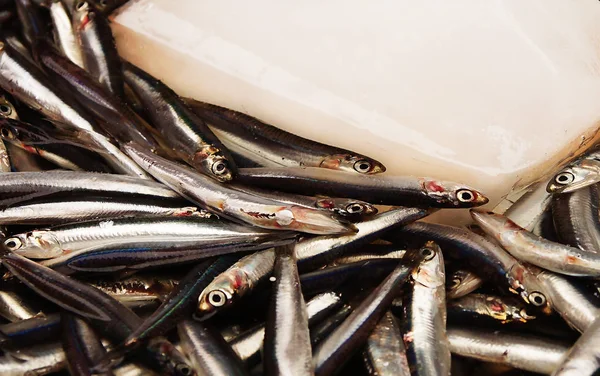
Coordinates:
489 93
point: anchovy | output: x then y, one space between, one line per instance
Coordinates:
331 353
46 142
483 254
100 55
13 306
538 251
179 302
31 21
503 309
103 312
223 200
82 346
424 324
231 285
377 189
460 283
578 174
64 34
37 184
30 332
576 307
39 360
27 83
315 251
287 349
377 252
58 211
137 291
208 351
526 352
384 353
248 345
22 161
354 210
576 218
269 146
185 133
583 358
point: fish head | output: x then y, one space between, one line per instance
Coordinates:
578 175
222 292
312 221
7 110
352 163
213 163
169 357
460 283
347 207
453 194
35 244
431 271
495 225
82 14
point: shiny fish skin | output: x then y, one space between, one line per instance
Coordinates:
578 309
30 332
82 346
36 184
580 173
251 209
576 218
528 211
503 309
231 285
287 349
47 143
137 291
311 252
583 358
106 314
333 351
63 32
208 351
249 344
64 245
460 283
354 210
13 307
60 211
180 301
525 352
100 55
118 120
482 253
376 189
32 23
185 133
538 251
27 83
269 146
42 360
384 353
424 324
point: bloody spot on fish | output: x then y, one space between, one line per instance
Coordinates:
258 214
433 186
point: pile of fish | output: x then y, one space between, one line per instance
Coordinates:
149 234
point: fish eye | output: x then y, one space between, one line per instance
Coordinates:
427 253
217 298
464 195
455 282
12 244
6 110
362 166
183 369
219 167
80 5
6 133
564 178
103 3
354 208
537 299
